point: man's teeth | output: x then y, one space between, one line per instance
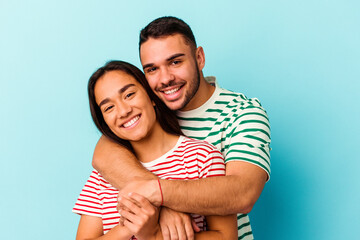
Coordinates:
131 122
172 91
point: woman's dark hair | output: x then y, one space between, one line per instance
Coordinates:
166 118
166 26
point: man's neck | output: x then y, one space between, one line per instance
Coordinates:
203 94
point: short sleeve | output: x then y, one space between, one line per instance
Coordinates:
89 202
213 164
250 136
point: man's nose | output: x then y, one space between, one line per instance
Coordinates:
166 76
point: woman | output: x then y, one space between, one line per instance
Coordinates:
125 109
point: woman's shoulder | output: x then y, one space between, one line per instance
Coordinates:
196 143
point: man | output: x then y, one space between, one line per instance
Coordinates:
237 126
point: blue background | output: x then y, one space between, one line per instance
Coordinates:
300 58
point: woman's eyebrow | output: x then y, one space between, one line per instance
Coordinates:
123 89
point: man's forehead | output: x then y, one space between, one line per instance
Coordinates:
176 37
163 48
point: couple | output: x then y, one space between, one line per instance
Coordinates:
140 132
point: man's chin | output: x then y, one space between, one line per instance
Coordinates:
174 105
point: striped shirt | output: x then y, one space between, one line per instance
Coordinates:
188 159
238 127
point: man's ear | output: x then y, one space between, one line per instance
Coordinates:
200 58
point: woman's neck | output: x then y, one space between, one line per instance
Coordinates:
153 146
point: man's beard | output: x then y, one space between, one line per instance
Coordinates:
193 90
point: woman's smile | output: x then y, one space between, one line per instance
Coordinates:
132 122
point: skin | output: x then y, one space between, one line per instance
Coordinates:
130 114
170 63
140 221
124 106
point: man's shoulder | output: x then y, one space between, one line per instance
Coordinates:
237 99
226 95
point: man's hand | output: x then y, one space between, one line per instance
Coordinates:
176 225
150 189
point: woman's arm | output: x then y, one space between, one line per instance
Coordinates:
141 218
91 228
219 228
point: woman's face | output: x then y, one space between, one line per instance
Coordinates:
125 105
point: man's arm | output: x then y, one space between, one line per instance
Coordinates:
117 164
143 216
120 167
236 192
246 148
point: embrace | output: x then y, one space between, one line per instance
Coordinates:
179 157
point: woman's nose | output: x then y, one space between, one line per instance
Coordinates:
123 109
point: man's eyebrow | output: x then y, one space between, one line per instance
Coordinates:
168 59
175 56
121 90
148 65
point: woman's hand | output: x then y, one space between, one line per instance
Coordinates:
139 216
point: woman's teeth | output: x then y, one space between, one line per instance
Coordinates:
131 122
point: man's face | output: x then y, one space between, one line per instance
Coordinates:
171 69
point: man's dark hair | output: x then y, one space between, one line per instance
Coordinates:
166 118
167 26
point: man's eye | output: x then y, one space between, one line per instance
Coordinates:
175 62
152 69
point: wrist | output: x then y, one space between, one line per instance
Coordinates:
157 197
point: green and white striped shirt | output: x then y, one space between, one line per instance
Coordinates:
238 127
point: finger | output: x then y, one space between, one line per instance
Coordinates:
194 226
181 232
173 233
120 205
189 230
131 226
121 221
165 232
129 206
129 216
143 201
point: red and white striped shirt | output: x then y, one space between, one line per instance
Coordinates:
189 159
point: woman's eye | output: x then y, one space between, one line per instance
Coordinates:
108 108
129 95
